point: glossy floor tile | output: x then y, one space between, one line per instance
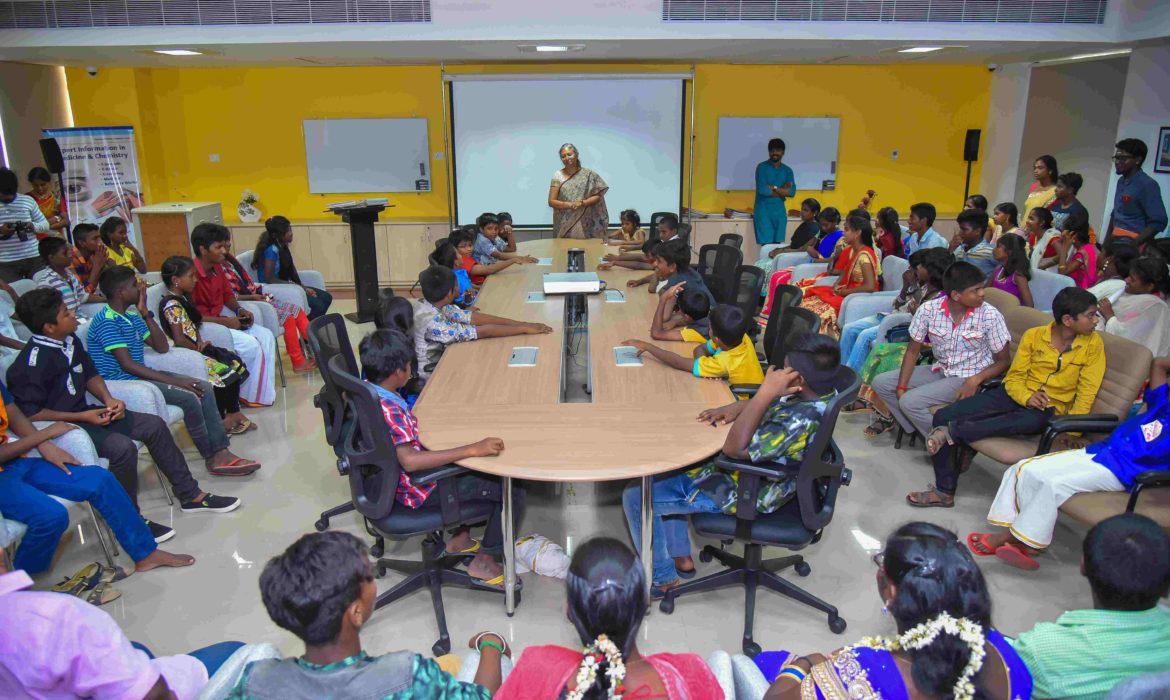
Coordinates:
218 598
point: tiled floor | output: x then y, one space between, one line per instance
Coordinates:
177 610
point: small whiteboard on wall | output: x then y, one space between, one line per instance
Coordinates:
810 149
367 155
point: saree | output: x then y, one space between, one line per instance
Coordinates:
858 672
825 302
586 222
827 247
1038 197
543 671
1142 318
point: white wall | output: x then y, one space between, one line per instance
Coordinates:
1145 107
1005 132
1072 114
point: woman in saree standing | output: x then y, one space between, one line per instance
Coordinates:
577 198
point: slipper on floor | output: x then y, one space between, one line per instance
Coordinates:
1014 555
468 551
116 573
494 584
84 579
923 503
977 543
101 595
237 467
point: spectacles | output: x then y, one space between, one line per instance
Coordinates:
1122 156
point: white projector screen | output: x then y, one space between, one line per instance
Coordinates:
507 134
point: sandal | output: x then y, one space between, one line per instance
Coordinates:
977 543
237 467
858 406
84 579
116 573
239 428
1014 555
101 595
938 437
465 552
880 424
931 498
495 584
306 366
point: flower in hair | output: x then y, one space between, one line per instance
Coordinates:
602 649
925 634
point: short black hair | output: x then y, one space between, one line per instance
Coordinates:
502 217
1073 181
83 230
1124 252
649 245
39 174
384 352
824 349
978 201
670 220
676 253
1127 562
776 143
393 312
936 261
1135 147
9 183
813 205
975 218
632 216
49 246
1072 301
207 233
307 588
436 282
694 303
486 218
924 210
459 236
114 278
729 324
1150 269
830 214
39 307
109 226
962 275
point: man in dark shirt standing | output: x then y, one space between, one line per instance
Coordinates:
1138 211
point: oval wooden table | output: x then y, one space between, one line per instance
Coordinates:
642 420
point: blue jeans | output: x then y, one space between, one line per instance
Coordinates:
26 485
212 657
319 304
857 338
671 537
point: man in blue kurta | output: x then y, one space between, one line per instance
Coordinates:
1138 211
775 182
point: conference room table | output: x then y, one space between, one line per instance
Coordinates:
642 421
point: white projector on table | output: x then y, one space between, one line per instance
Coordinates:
572 283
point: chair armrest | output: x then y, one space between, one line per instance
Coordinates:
827 281
431 476
178 360
76 442
748 390
1153 478
768 470
139 396
806 270
787 260
312 278
1087 423
993 383
858 306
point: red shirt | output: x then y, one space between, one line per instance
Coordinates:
466 262
212 290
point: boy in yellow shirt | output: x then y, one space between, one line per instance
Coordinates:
728 354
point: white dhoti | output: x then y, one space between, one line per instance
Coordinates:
257 348
1033 490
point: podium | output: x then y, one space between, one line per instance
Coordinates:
361 221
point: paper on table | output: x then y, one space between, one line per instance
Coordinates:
546 262
626 356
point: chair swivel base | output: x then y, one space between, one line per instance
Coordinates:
433 573
323 523
752 571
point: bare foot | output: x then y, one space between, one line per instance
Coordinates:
458 543
484 567
159 558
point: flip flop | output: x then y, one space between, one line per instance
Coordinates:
940 503
101 595
475 546
494 584
1013 555
238 429
977 543
86 578
237 467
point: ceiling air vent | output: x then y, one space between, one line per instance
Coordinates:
995 11
71 14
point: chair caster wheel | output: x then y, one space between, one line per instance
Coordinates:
837 624
705 556
377 550
802 569
381 570
322 525
441 647
666 605
751 649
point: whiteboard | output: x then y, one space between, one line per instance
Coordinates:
367 155
811 149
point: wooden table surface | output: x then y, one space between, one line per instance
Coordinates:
643 420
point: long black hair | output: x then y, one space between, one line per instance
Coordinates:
172 267
606 595
934 573
275 228
1017 262
860 223
1151 269
887 218
1013 213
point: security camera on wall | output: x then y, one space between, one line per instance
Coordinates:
91 71
992 67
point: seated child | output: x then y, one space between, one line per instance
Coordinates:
672 263
464 242
1057 371
506 232
1076 252
776 425
26 484
438 322
645 261
729 354
667 231
57 273
322 590
682 314
118 336
47 379
629 231
118 247
397 313
385 358
489 247
90 255
446 255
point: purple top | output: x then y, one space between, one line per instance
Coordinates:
54 645
1008 285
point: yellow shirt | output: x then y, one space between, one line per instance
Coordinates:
691 335
1071 379
125 259
738 365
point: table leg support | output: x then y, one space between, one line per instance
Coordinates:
648 531
509 549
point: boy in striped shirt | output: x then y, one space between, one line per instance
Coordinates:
57 274
20 219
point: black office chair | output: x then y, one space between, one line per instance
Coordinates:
717 266
329 339
684 233
796 525
749 280
732 239
652 231
796 320
371 462
786 297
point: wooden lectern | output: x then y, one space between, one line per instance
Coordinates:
361 219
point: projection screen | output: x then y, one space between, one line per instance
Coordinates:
507 132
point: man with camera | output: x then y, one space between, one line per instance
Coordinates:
20 220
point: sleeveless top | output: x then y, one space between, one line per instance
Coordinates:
1008 285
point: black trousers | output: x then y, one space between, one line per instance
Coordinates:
988 414
474 487
115 442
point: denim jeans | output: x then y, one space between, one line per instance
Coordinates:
671 536
201 414
857 339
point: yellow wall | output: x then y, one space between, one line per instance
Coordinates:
252 118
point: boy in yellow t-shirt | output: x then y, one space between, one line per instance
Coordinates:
728 354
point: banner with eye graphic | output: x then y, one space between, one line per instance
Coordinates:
101 174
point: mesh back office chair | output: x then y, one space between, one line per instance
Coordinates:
717 265
652 230
796 525
749 280
786 297
684 233
371 461
795 320
329 339
732 239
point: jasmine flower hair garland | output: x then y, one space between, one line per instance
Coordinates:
924 635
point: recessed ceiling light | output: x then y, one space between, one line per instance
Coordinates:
921 49
550 48
178 52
